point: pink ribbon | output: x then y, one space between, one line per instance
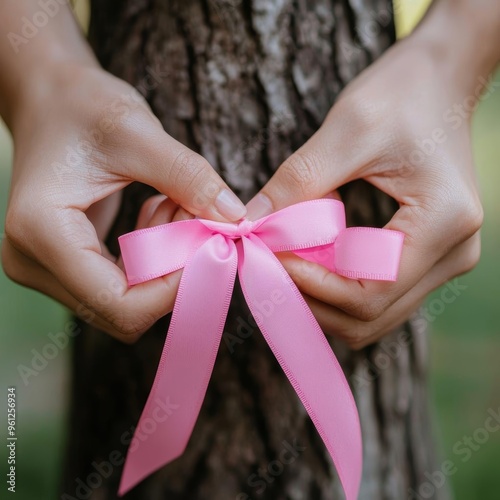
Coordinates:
211 253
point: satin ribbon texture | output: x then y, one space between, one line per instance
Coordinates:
211 253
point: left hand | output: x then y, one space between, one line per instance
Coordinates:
376 133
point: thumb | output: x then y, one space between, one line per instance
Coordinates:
185 177
313 171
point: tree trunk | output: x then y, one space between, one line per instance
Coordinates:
245 83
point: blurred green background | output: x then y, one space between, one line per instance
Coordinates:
465 343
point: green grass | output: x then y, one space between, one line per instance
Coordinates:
465 343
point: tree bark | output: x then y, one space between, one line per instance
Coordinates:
245 83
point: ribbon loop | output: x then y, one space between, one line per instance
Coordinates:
304 225
210 253
368 253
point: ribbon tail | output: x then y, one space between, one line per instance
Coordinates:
186 363
303 352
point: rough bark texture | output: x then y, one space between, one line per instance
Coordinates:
245 83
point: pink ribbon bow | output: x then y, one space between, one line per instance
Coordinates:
211 253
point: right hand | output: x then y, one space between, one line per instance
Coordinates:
78 142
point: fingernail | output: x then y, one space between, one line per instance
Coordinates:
259 206
145 216
229 205
158 200
182 214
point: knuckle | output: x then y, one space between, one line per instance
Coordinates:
474 217
15 227
302 172
357 338
127 339
472 255
119 118
132 327
369 310
189 171
149 207
357 343
11 267
469 211
359 114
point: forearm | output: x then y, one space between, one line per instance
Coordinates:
465 36
35 36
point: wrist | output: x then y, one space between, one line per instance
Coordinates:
47 81
463 39
28 63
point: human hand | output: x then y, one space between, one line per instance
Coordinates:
390 128
78 141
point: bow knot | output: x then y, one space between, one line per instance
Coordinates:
211 253
233 231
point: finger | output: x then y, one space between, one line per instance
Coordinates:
321 284
149 208
163 213
160 210
182 214
29 273
168 211
100 285
103 213
183 175
367 300
334 195
316 169
357 333
146 213
439 210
